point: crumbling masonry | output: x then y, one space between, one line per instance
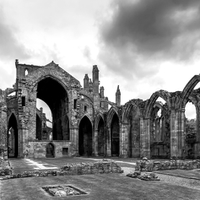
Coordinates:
85 123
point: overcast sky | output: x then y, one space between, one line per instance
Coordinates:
141 45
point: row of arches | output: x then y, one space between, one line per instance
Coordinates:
155 127
87 141
86 137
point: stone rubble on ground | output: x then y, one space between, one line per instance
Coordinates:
100 167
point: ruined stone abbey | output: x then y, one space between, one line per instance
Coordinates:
86 123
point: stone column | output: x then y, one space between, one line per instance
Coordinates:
20 143
145 137
177 141
197 144
173 134
95 143
74 137
181 134
4 132
124 140
108 146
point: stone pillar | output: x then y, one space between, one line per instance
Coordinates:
95 143
4 132
197 144
173 134
124 140
181 133
74 137
108 146
177 142
20 143
145 137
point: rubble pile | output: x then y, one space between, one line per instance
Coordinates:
145 176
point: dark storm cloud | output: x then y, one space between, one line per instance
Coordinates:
151 26
9 46
150 30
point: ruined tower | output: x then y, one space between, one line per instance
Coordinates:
86 82
95 79
118 96
102 92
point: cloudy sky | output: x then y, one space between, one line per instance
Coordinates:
141 45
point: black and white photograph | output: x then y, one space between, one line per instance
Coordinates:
100 99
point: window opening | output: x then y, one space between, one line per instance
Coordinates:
23 101
75 103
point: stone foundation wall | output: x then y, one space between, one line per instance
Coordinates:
100 167
37 149
167 165
92 168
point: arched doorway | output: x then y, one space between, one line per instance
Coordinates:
115 136
85 137
55 96
12 137
190 131
101 138
50 151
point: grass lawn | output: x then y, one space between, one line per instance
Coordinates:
101 186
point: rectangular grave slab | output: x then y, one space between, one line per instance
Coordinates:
63 190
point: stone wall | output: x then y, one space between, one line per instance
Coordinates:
38 149
152 165
100 167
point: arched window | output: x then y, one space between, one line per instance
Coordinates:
26 72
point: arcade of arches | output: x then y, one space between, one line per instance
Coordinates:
86 123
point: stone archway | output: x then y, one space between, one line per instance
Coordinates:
50 150
55 96
160 131
131 126
115 136
85 137
12 137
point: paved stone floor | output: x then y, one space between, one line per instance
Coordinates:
184 185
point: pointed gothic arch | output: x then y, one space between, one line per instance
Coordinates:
52 92
189 88
115 136
12 136
131 120
50 150
161 93
101 137
85 137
